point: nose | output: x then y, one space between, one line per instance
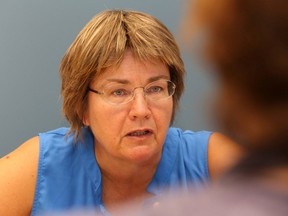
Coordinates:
139 105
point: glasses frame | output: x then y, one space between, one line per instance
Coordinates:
133 92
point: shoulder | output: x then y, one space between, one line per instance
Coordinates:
58 133
57 140
59 147
191 142
187 136
190 149
223 154
214 149
66 166
18 172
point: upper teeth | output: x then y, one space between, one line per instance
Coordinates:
139 133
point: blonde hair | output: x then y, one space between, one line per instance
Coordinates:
102 44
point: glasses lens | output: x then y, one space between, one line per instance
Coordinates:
160 89
117 93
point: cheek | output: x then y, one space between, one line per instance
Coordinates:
106 120
95 113
163 116
168 111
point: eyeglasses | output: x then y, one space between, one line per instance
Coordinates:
118 93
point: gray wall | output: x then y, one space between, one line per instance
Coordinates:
34 34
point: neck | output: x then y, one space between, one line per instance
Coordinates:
116 192
124 181
133 178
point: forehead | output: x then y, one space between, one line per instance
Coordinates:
132 69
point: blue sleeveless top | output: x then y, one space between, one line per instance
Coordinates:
69 176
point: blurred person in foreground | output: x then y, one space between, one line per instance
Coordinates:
247 45
246 42
122 79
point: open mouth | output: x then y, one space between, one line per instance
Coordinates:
139 133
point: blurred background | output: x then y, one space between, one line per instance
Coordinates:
34 35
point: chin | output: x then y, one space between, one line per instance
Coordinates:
143 154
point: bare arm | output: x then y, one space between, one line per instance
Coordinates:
223 154
18 173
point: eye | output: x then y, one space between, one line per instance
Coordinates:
154 89
120 92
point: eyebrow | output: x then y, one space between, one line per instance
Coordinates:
122 81
152 79
158 77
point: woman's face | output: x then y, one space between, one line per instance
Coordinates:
134 131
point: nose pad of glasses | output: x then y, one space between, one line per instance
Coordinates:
139 91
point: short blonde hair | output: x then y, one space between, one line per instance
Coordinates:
102 44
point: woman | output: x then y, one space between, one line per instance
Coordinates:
122 79
247 45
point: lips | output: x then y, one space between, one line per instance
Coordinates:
140 132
